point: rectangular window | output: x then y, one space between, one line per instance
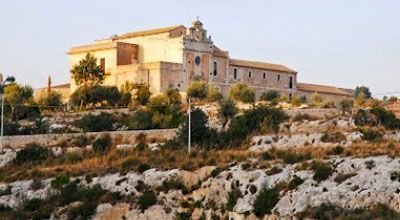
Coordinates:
250 74
234 73
290 82
103 65
215 69
279 77
264 75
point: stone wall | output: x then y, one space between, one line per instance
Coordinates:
125 137
314 112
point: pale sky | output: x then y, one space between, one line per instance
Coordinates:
343 43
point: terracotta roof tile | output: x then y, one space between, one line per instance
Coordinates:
261 65
217 52
324 89
148 32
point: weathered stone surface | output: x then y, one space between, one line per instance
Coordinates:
6 156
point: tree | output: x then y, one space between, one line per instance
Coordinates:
16 96
227 110
198 90
213 94
316 100
345 106
363 89
142 95
241 92
271 96
87 71
51 102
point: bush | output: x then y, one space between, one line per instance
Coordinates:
95 123
295 182
271 96
253 120
147 199
142 94
52 102
213 94
342 177
141 119
337 150
316 100
227 110
96 95
32 153
232 198
292 157
322 171
82 211
241 92
265 202
371 135
197 90
102 144
303 117
336 137
143 167
173 183
346 106
59 181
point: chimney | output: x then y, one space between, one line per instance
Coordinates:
48 86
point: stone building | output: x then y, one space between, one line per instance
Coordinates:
172 57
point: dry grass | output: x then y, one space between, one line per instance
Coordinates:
123 161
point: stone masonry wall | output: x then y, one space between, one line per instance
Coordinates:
126 137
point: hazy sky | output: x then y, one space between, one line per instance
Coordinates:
335 42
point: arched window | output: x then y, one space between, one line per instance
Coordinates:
234 73
215 68
250 74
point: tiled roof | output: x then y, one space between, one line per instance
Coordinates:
92 47
324 89
261 65
219 53
148 32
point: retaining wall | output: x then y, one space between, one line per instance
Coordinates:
128 137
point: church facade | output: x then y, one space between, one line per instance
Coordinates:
172 57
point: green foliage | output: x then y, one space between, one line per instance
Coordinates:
201 134
16 96
346 105
328 211
141 119
51 102
171 184
95 96
59 181
166 109
87 71
322 171
147 199
292 157
197 90
82 211
363 90
386 118
295 182
251 121
371 135
335 137
232 198
142 94
94 123
227 110
316 100
32 153
213 94
241 92
337 150
271 96
102 144
143 167
265 202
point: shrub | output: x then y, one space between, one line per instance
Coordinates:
346 106
336 137
36 184
241 92
295 182
32 153
52 102
141 119
341 177
386 118
147 199
271 96
143 167
291 157
95 95
59 181
337 150
102 144
173 183
80 141
197 90
227 110
95 123
265 202
213 94
322 171
303 117
316 100
82 211
142 94
371 135
232 198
